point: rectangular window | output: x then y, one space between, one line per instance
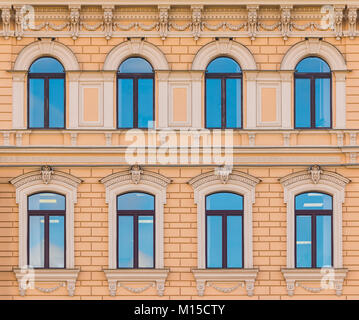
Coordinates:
302 103
324 241
304 241
36 103
125 112
56 103
37 241
234 103
57 241
234 242
145 242
213 103
322 103
145 103
125 241
214 241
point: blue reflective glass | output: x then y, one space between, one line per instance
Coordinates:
313 201
135 201
324 241
57 241
214 242
46 65
223 65
234 103
145 242
145 103
46 201
312 64
125 103
234 242
322 103
224 201
56 103
213 103
302 103
304 241
36 241
125 241
36 103
135 65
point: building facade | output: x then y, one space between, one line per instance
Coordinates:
179 150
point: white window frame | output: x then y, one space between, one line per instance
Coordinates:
318 180
46 180
134 180
238 182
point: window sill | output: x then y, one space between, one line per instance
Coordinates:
329 278
241 276
117 278
28 277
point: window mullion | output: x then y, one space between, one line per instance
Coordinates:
314 241
135 241
224 241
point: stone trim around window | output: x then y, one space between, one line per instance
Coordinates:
223 179
327 277
313 179
336 61
133 180
28 278
46 180
238 277
45 47
149 277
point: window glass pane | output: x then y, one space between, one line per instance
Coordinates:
304 242
322 103
313 201
125 241
233 103
125 103
47 201
46 65
56 103
36 103
135 201
234 242
36 241
312 64
213 103
224 201
302 103
145 242
214 242
145 103
223 65
57 241
324 241
135 65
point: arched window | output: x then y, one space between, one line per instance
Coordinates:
313 229
135 94
135 230
46 230
223 94
46 94
224 230
313 94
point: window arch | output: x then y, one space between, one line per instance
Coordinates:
223 94
313 230
135 94
46 230
46 94
224 230
135 230
313 92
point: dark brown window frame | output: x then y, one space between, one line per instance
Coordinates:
313 76
224 214
135 214
46 77
223 77
46 214
135 77
313 214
